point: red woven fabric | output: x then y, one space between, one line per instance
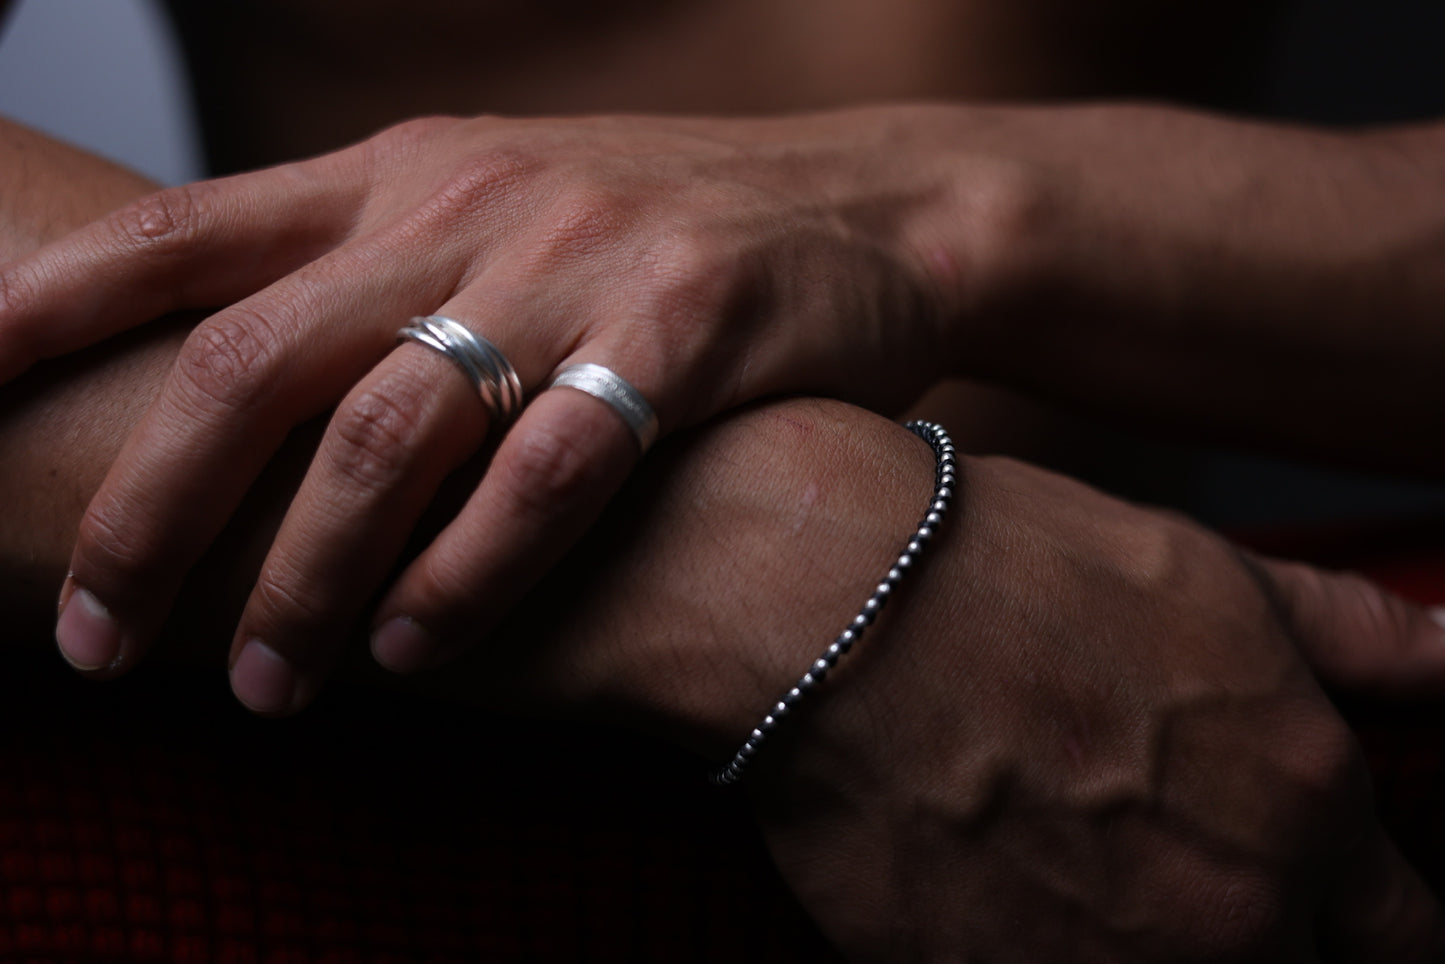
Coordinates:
151 820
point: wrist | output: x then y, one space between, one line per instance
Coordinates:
988 239
738 557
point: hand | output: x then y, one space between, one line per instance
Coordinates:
1081 730
707 263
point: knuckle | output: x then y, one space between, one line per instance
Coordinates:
14 294
547 472
1325 761
441 592
685 256
584 220
1170 560
1385 617
1153 559
18 342
413 134
691 272
1323 783
1296 586
478 182
111 549
1013 217
281 597
228 362
165 220
376 433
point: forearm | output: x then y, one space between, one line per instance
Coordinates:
48 188
1257 283
59 430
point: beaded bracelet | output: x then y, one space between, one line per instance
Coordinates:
943 453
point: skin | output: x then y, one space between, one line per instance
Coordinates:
278 80
699 259
1136 746
927 48
1160 773
1125 695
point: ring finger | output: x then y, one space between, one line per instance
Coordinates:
550 478
387 451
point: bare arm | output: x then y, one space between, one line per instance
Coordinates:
1260 283
1065 683
1271 284
48 189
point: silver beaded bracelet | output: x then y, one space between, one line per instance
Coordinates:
943 452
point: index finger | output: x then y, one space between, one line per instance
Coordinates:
196 246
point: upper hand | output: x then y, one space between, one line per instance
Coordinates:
706 263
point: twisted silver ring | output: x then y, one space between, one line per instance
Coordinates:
599 381
495 379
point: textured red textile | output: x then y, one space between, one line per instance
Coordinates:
154 820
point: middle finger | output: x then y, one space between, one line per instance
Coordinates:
244 379
392 442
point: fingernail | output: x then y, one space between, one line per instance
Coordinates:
403 645
263 679
87 634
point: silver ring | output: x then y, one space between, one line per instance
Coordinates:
599 381
495 379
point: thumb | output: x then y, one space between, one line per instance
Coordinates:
1357 636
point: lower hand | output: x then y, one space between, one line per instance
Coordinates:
1080 731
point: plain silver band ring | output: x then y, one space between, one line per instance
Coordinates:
493 376
599 381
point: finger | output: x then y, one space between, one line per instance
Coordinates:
243 379
392 442
194 246
1357 636
1381 910
547 483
